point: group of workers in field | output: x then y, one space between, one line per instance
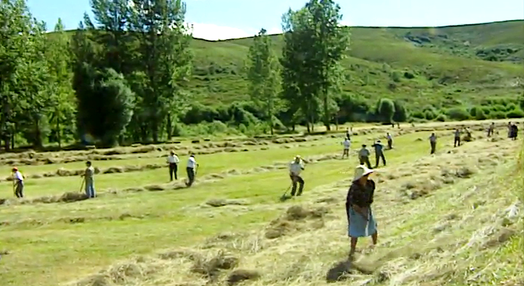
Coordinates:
361 222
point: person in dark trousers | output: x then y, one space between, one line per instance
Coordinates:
456 142
295 168
379 153
89 180
510 131
173 161
390 141
347 145
491 129
514 131
191 170
363 156
361 222
18 183
433 143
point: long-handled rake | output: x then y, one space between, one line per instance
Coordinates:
284 195
82 185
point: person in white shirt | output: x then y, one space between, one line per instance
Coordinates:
347 145
295 168
363 156
390 141
173 161
191 170
18 183
433 142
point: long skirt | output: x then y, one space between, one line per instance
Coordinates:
358 226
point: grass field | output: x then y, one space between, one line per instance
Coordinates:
451 218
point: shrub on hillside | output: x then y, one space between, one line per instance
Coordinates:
401 112
441 118
477 112
386 110
515 113
497 115
458 113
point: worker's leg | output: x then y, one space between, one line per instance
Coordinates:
367 162
301 185
353 246
190 176
175 170
361 159
377 158
390 144
20 190
374 237
171 169
383 158
293 185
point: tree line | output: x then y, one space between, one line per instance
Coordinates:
123 76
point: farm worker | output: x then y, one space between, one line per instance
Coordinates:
173 161
346 144
514 131
510 133
361 222
390 141
379 153
491 129
295 168
89 179
18 183
191 170
363 156
433 142
457 138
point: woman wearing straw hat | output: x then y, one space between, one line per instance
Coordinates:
361 222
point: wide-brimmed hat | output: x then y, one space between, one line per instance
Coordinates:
297 157
361 171
15 169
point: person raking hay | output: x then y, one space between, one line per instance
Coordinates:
361 222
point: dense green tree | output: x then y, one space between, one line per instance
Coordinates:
263 76
163 40
386 110
401 113
62 109
23 72
315 40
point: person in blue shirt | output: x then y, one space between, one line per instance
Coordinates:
379 153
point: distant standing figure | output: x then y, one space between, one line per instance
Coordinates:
379 153
191 170
89 179
361 222
349 133
347 145
295 168
173 161
491 129
363 156
510 133
457 138
514 131
433 142
18 183
390 141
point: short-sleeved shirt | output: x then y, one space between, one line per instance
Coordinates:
191 163
89 172
347 144
359 195
296 168
18 176
363 152
457 133
173 159
432 139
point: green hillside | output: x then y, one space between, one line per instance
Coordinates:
443 66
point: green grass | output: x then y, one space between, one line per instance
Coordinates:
46 249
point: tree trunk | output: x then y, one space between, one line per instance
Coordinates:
58 134
326 113
169 127
38 135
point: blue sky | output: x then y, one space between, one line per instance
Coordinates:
221 19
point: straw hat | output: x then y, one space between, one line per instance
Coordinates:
361 171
